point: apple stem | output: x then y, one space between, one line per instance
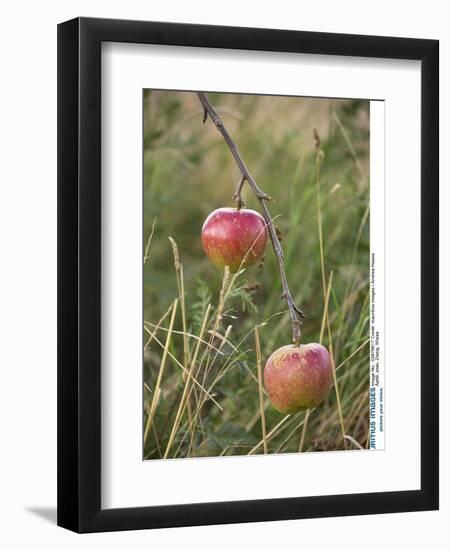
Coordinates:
238 194
296 314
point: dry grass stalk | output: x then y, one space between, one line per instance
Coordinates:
336 387
161 372
269 436
261 391
187 386
149 241
305 424
185 371
157 327
180 285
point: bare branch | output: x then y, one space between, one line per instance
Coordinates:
296 314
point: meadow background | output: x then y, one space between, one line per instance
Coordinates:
202 396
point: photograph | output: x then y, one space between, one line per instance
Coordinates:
256 274
248 268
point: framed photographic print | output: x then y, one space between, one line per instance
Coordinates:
248 275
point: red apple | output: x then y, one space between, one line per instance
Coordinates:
298 377
232 237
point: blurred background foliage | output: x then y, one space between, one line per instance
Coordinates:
188 172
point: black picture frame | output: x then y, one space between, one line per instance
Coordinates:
79 274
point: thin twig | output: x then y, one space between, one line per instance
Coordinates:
295 313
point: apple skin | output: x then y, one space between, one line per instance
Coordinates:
298 377
234 237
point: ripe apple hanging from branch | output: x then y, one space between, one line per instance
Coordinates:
296 376
234 237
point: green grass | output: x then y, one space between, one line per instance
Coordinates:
202 395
